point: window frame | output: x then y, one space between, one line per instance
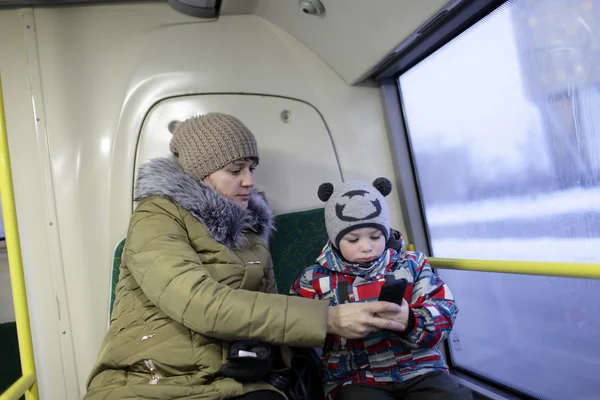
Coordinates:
448 23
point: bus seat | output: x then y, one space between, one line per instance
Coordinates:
295 245
114 276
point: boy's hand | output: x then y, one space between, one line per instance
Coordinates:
401 316
357 320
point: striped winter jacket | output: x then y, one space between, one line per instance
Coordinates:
383 357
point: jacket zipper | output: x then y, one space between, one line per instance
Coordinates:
155 375
146 337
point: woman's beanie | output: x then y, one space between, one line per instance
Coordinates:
207 143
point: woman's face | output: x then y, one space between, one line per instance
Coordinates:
234 181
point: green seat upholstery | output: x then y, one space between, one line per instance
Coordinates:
295 245
115 272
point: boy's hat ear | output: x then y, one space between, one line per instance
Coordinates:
383 185
325 191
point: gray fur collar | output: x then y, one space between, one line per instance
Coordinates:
226 222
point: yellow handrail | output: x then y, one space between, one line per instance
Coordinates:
27 383
19 387
565 269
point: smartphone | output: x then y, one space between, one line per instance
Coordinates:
393 291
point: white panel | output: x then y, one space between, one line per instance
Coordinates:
295 157
353 35
232 7
30 181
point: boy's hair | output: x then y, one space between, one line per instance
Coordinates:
353 205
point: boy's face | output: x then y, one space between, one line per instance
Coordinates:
362 245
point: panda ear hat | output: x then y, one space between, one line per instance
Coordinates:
353 205
383 185
325 191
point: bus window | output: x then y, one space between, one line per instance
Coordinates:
505 136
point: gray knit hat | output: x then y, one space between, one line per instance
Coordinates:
207 143
353 205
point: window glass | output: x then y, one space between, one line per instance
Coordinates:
504 127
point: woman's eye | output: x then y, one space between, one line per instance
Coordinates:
375 237
235 172
252 169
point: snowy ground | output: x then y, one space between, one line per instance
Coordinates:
517 208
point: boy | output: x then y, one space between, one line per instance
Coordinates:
352 267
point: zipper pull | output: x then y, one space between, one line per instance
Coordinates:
146 337
155 375
253 262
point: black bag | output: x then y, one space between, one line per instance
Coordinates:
253 361
303 380
248 361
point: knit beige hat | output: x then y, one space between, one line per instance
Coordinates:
206 143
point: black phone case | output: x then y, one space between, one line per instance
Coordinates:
393 291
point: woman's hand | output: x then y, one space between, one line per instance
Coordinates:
401 316
357 320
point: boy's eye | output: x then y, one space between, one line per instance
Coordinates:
375 237
352 240
252 169
235 171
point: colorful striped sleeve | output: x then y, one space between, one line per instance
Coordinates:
303 287
432 305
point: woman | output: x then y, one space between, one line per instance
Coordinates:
196 278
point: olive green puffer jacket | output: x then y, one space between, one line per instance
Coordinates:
194 276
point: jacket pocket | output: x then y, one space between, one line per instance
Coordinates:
168 346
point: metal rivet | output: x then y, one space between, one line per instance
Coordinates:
37 119
28 27
286 116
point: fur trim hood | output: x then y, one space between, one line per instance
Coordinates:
226 222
